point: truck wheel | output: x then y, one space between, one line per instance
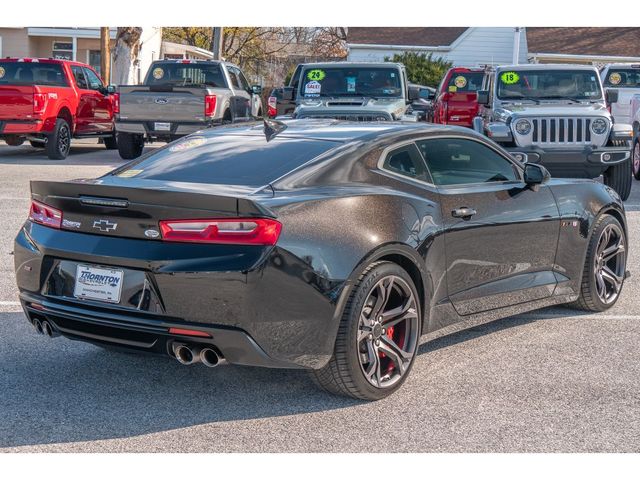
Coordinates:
37 144
636 159
226 118
110 143
14 141
59 142
130 145
618 177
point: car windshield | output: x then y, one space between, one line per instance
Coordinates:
351 81
185 74
548 84
623 77
32 73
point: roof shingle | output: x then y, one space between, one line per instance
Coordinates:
416 36
614 41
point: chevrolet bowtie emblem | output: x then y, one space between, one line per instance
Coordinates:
105 225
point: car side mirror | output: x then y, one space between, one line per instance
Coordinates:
288 93
111 89
535 174
256 89
611 96
483 97
414 93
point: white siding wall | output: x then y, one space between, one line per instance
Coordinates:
477 46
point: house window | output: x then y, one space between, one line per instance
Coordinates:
94 60
62 50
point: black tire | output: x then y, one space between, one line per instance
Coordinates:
59 142
619 178
13 140
110 143
227 118
344 374
635 159
37 144
130 145
590 298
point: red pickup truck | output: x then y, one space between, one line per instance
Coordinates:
48 102
456 101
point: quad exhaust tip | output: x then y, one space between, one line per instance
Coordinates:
188 355
37 324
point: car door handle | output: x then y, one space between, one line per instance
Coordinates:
463 212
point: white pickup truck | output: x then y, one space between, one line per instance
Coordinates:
624 77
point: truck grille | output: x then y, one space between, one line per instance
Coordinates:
549 130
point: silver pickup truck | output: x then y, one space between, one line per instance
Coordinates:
362 92
557 115
179 97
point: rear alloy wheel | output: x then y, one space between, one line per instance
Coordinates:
378 336
619 178
605 266
636 159
59 143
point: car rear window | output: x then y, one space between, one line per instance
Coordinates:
623 77
186 74
465 82
32 73
247 160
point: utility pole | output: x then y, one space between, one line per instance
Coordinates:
105 54
216 43
516 45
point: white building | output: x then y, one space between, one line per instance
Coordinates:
468 46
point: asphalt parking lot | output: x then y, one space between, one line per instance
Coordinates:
556 380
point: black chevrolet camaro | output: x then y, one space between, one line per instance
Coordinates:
314 244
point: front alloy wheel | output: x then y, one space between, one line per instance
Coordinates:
378 335
609 264
636 159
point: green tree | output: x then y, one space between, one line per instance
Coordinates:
422 68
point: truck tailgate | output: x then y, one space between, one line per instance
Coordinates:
16 102
179 104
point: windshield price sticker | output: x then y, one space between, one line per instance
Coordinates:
312 88
2 72
509 78
129 173
158 73
351 84
615 78
460 82
453 88
188 144
316 74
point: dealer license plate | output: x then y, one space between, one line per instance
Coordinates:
162 127
95 283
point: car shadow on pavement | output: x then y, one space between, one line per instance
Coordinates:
62 391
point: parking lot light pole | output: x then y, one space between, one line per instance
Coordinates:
516 45
216 43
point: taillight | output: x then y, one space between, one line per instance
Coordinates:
272 104
39 103
116 102
239 231
45 215
209 105
191 333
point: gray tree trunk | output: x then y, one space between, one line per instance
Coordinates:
126 53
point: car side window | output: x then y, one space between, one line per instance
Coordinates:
406 161
244 83
234 77
81 79
94 81
455 161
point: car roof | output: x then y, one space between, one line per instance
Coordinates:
338 131
351 64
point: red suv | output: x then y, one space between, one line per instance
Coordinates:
456 101
48 102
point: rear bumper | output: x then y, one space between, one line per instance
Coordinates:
23 127
242 296
143 332
588 162
147 127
